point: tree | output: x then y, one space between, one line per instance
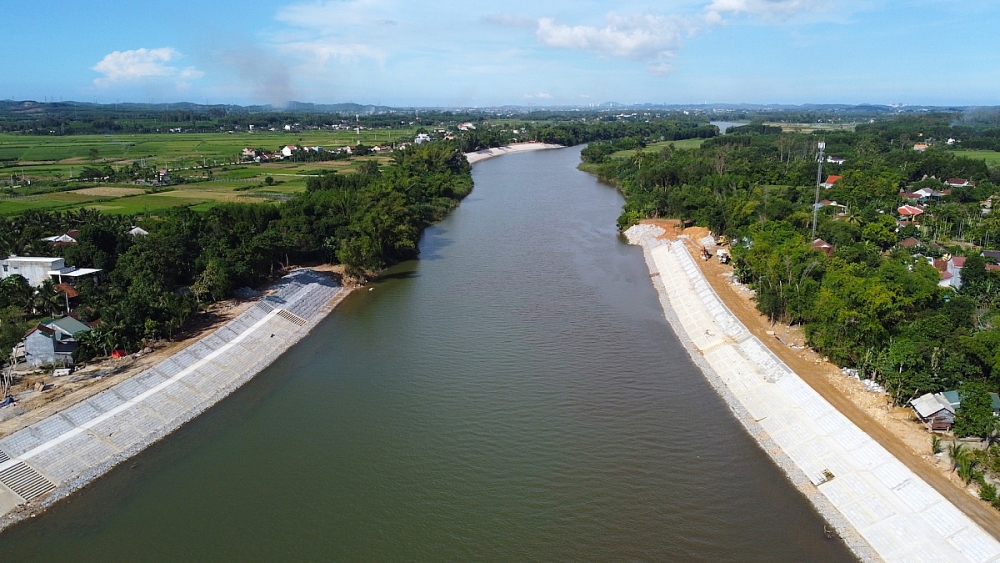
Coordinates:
269 180
974 416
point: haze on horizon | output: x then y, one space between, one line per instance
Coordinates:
447 53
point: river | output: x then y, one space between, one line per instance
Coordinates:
514 395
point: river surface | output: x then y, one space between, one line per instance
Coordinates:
514 395
727 125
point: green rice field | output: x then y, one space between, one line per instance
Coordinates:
656 147
992 158
38 172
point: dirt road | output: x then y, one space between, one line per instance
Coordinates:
822 377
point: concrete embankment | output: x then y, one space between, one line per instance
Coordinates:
49 459
881 509
475 157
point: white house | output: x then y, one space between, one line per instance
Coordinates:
955 265
422 138
288 150
37 269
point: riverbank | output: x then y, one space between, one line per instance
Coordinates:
484 154
894 427
879 506
50 459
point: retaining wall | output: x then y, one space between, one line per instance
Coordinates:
881 508
47 460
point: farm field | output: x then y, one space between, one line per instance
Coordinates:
812 127
175 150
992 158
40 172
656 147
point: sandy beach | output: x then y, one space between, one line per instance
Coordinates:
878 506
484 154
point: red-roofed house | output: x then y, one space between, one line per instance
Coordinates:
959 183
823 246
946 279
909 242
909 212
830 181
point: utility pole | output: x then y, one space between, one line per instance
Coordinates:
819 177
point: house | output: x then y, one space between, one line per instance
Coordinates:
32 268
910 196
924 194
823 246
465 126
38 269
287 151
53 341
936 410
69 238
909 212
991 256
920 147
830 181
959 183
836 159
909 242
163 177
827 203
422 138
954 267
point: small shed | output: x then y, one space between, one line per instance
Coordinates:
936 410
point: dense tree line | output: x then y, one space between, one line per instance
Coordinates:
152 284
872 304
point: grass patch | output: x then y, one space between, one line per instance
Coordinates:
992 158
660 145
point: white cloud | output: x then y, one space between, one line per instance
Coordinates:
140 64
637 37
343 30
539 96
647 38
783 10
320 51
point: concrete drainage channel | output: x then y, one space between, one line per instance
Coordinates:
48 460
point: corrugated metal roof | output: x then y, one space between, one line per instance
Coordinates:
928 405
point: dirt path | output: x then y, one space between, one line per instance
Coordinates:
67 391
894 428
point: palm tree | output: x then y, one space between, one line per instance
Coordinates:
957 452
967 468
47 299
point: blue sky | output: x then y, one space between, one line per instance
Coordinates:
450 53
